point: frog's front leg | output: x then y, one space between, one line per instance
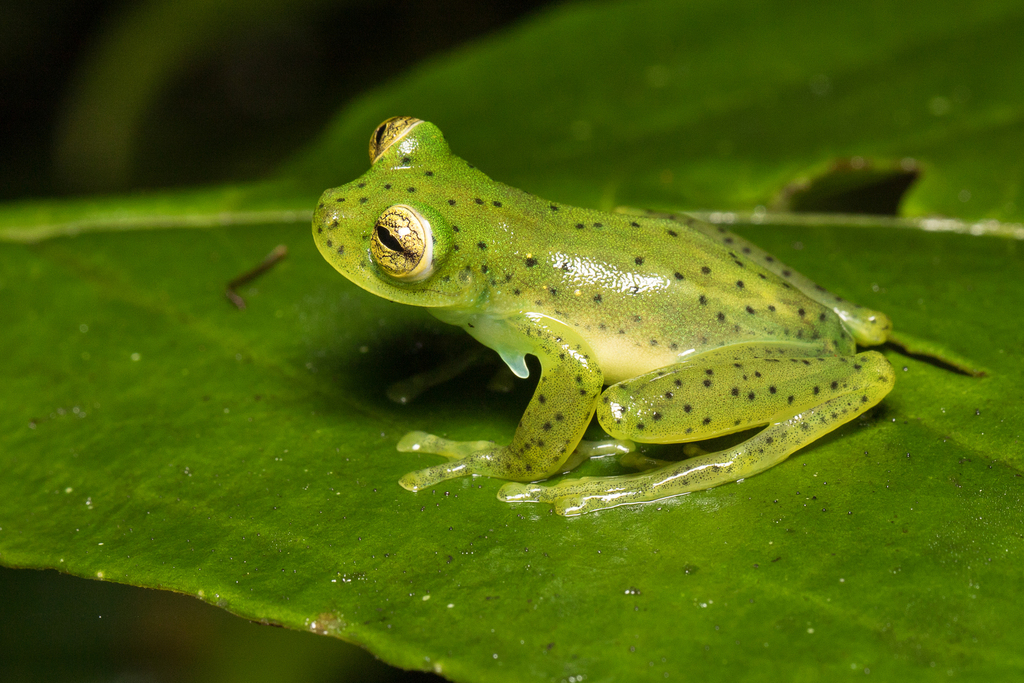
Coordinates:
800 399
549 430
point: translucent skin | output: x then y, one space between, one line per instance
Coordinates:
698 332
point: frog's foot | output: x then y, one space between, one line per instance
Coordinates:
468 457
421 442
571 497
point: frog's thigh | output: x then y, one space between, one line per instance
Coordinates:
811 397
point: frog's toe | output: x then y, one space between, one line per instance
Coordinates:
637 461
422 442
414 441
515 492
425 478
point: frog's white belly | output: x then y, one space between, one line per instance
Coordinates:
621 357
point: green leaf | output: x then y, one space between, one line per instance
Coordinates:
151 434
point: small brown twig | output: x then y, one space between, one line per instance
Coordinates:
278 253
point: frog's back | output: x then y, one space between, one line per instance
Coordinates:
645 291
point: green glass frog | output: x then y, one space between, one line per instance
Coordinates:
694 331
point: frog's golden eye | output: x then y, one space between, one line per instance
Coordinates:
402 244
388 133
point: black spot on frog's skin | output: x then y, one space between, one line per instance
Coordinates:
428 173
771 308
634 224
669 395
451 202
516 292
771 390
707 383
531 262
750 310
800 312
478 200
330 243
707 420
598 225
679 383
554 208
863 399
834 386
709 372
640 426
481 245
597 299
673 233
639 260
361 185
580 226
703 300
728 240
790 400
654 342
542 399
456 228
388 186
856 366
406 160
822 317
678 275
340 249
687 408
739 283
340 199
363 200
735 391
739 263
751 396
496 204
817 390
319 230
547 426
705 270
721 317
410 189
786 273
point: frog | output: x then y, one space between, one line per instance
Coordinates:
668 329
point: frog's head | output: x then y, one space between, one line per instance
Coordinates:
387 231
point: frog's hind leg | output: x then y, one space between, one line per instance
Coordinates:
799 399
